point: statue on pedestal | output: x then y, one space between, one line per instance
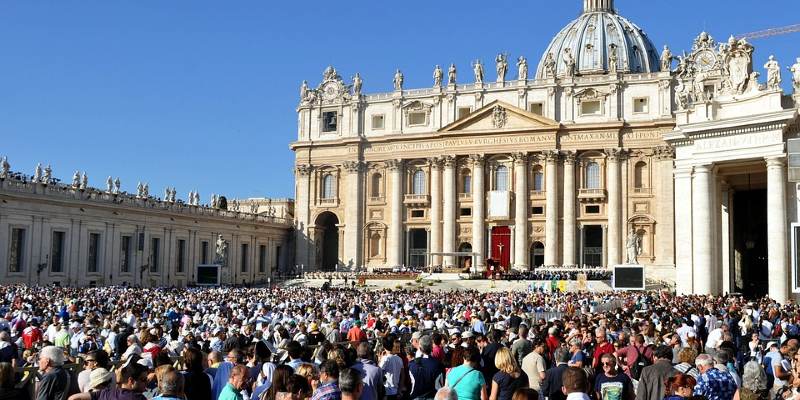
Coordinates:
398 80
110 185
117 186
477 69
145 190
84 181
5 168
48 175
666 60
796 75
437 76
214 200
633 244
773 73
549 66
569 62
451 75
612 58
76 180
221 251
37 173
501 64
357 83
139 189
304 90
522 68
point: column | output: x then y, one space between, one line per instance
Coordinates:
725 236
302 239
520 211
701 229
777 232
436 210
568 243
449 217
684 279
614 207
478 212
394 246
581 245
551 208
353 237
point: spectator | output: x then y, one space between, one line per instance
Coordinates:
197 384
427 373
713 383
223 374
55 382
525 394
446 393
8 390
534 365
7 351
653 378
575 384
466 379
508 378
635 352
392 366
236 383
522 346
350 384
578 359
170 387
687 357
131 383
99 379
679 387
328 388
93 360
552 384
371 374
754 383
602 346
611 385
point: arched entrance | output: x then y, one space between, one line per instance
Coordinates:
537 254
328 240
465 262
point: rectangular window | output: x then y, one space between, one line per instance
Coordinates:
640 105
262 258
57 252
709 91
592 209
17 250
181 255
417 213
204 252
416 118
537 210
141 241
125 254
536 108
94 250
278 257
466 212
467 184
329 121
591 108
463 112
244 257
377 122
155 253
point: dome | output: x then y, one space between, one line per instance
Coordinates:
590 40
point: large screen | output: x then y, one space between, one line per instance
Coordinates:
628 278
208 275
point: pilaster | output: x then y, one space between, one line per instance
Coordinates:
520 211
569 238
551 207
478 211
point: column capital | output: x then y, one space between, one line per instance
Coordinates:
664 153
353 166
303 169
434 162
520 158
551 156
569 157
449 161
703 169
394 165
775 161
616 154
477 159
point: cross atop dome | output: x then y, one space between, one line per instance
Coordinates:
598 5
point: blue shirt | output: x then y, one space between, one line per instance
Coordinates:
715 385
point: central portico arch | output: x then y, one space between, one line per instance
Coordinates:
327 240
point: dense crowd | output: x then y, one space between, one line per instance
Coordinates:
303 343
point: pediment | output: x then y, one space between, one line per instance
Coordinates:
500 116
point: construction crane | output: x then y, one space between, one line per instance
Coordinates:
769 32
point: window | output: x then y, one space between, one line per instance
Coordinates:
204 252
463 112
329 121
640 105
538 179
640 175
57 252
465 212
501 178
466 181
125 253
278 257
417 213
592 175
17 251
537 210
593 209
416 118
377 122
244 256
262 258
181 255
537 108
155 253
709 91
418 182
375 185
591 108
328 187
92 259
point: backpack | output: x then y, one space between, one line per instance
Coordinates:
638 366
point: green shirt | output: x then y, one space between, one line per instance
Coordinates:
466 381
229 393
62 340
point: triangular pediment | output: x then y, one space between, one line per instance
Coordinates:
500 116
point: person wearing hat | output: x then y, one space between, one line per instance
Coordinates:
315 337
99 379
97 359
132 383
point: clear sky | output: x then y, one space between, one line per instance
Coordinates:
201 94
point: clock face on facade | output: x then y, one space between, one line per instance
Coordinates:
330 91
706 60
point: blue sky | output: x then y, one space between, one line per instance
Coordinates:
201 94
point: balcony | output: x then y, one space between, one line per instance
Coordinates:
591 195
643 191
417 199
537 194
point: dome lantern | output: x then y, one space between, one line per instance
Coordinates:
598 5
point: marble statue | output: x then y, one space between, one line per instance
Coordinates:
84 181
110 185
549 66
172 195
451 75
253 207
304 90
437 76
612 59
666 60
773 73
117 186
214 200
477 68
522 68
48 175
145 190
682 95
221 251
796 75
569 62
330 74
5 168
166 193
357 83
633 244
139 189
398 80
501 64
37 173
271 211
76 179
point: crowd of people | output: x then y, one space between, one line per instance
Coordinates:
301 343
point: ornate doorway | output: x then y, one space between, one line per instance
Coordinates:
328 240
537 255
501 246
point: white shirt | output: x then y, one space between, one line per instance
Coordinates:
392 367
714 338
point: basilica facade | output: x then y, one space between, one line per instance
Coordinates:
608 151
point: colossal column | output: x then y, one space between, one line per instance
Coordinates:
449 235
395 243
702 236
302 239
436 209
568 242
683 231
551 208
777 232
614 206
478 211
521 211
353 238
